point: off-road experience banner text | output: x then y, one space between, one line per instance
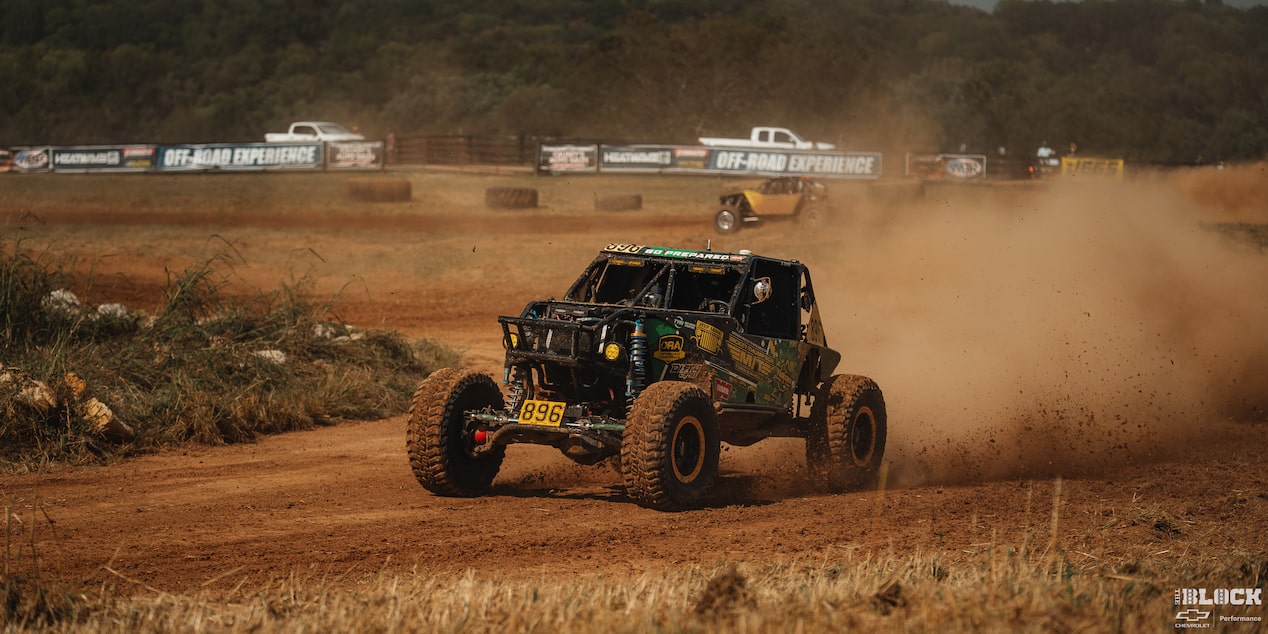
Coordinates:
690 159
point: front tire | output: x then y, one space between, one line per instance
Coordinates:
670 449
439 438
812 217
727 221
846 440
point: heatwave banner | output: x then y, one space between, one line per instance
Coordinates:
104 158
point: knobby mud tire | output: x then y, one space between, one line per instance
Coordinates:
381 189
436 439
618 202
670 448
510 198
846 439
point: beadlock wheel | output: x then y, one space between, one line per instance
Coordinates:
688 449
670 447
846 439
726 221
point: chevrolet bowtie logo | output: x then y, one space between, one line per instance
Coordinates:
1192 614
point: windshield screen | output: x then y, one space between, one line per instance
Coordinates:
644 283
615 281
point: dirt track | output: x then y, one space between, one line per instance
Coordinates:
341 501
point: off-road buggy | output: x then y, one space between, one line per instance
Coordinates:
654 357
783 197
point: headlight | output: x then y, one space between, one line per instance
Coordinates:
612 352
511 341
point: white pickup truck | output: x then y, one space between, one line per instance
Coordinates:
313 131
769 137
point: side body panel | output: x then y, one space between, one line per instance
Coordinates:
730 366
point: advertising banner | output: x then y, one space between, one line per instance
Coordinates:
32 159
355 155
240 156
866 165
959 167
1079 167
568 158
669 159
636 158
688 159
104 158
692 159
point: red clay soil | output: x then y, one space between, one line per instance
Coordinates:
341 501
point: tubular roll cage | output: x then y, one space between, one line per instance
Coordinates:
537 338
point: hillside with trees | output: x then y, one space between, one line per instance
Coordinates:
1148 80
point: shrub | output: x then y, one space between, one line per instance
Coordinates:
203 369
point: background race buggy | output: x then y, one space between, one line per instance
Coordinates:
783 197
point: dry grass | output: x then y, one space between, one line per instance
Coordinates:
202 368
1033 585
994 587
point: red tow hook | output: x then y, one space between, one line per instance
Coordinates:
480 436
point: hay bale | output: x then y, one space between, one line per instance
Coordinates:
382 189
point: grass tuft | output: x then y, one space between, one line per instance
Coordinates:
26 599
202 369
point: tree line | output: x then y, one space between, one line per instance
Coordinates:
1171 81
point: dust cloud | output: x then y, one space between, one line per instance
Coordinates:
1058 330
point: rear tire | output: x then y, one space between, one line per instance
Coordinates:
439 439
670 449
846 440
727 221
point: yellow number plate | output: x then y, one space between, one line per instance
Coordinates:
548 413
